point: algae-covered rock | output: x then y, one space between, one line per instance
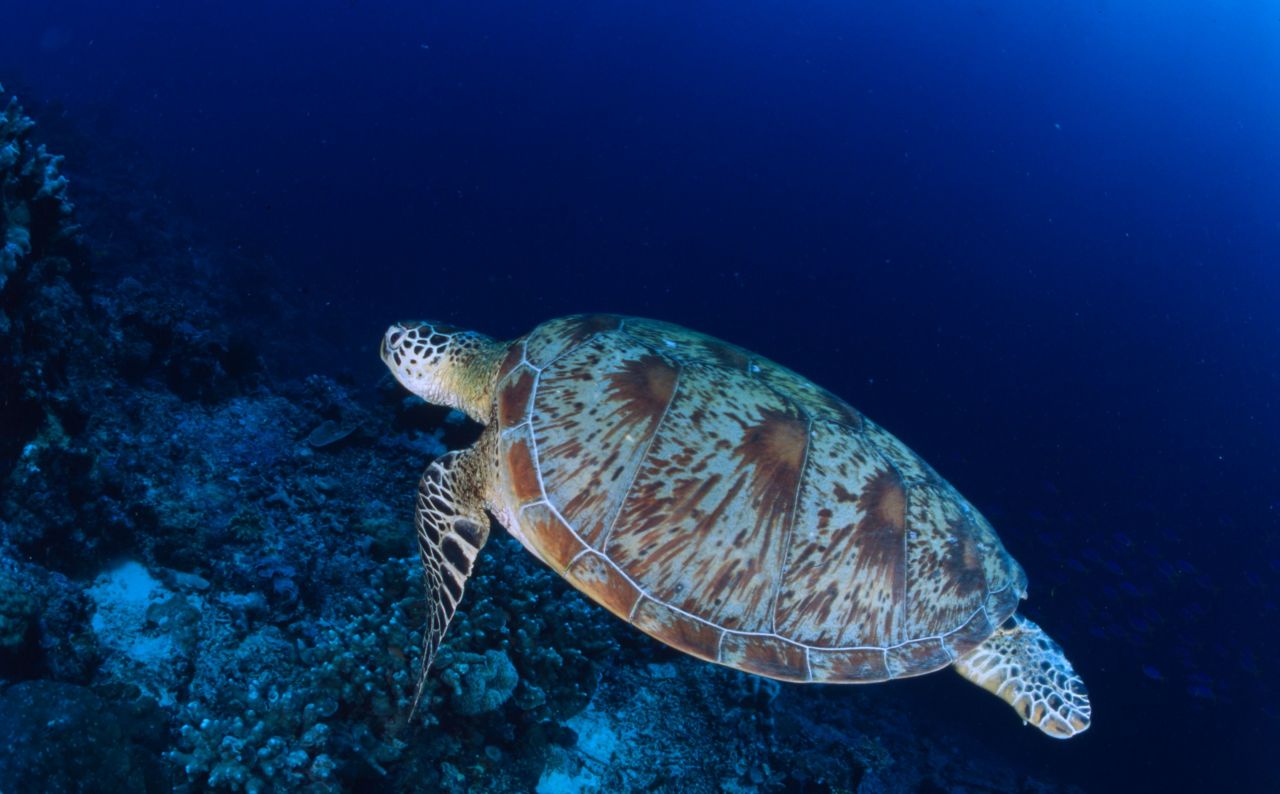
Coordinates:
60 737
44 624
19 606
479 682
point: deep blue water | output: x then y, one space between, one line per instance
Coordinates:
1039 242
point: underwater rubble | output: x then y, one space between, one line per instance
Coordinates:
208 579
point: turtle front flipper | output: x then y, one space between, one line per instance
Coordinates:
1024 667
452 528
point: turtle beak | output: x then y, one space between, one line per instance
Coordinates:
389 341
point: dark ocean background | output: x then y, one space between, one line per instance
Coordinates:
1039 242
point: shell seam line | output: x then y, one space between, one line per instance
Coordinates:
636 606
906 531
622 503
578 556
574 347
791 526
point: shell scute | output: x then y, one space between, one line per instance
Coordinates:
763 655
555 541
593 433
919 656
694 637
854 664
845 574
522 471
553 339
594 575
970 635
1002 603
710 541
817 401
946 580
515 397
512 360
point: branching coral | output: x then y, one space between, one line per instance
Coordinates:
280 712
42 271
34 210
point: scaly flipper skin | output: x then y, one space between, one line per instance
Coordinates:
1024 667
452 528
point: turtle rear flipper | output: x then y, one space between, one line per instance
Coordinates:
452 528
1024 667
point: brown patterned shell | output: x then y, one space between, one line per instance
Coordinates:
736 511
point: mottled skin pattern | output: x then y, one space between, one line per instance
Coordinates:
720 503
1022 665
450 536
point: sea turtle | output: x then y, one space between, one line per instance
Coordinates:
721 504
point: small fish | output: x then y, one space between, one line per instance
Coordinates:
1152 673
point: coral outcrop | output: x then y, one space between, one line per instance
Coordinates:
42 274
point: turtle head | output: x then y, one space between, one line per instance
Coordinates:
444 364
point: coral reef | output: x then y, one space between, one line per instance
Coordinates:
42 276
34 208
61 737
44 623
19 607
